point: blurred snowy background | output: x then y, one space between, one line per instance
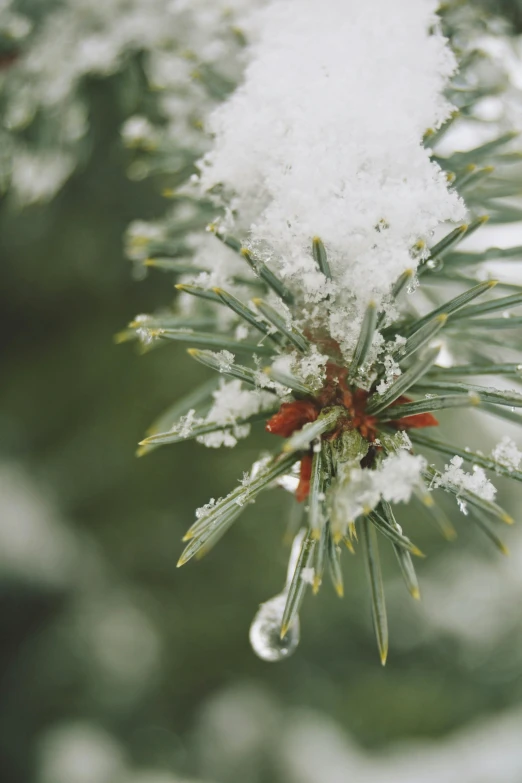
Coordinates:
115 667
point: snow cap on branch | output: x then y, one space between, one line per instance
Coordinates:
360 490
324 138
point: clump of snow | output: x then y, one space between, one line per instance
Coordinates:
283 364
311 368
36 177
138 132
359 490
398 476
507 454
307 575
324 138
476 482
231 403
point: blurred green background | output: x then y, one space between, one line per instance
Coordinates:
117 667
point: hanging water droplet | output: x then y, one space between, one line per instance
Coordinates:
265 631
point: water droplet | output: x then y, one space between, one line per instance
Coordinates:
265 630
435 264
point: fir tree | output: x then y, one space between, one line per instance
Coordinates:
330 289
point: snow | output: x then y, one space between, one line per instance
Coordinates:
507 454
475 482
307 575
225 360
311 368
37 176
232 402
358 490
140 235
330 145
398 476
70 40
221 262
202 511
186 423
138 131
390 363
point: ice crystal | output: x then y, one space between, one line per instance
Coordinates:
185 424
225 359
391 365
477 481
506 453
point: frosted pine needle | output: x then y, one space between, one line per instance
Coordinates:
341 308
